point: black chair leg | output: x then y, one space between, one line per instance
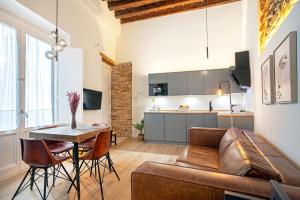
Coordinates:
91 168
16 193
45 183
112 166
109 165
115 139
32 177
100 180
53 176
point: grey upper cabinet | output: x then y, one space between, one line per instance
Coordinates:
195 83
210 120
175 128
158 78
177 83
154 127
212 78
234 87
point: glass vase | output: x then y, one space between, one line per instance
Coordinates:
73 123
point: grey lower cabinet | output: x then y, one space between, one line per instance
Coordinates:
177 83
210 120
175 128
154 127
241 122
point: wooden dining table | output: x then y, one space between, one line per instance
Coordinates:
66 134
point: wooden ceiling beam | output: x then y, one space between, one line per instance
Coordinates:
125 4
154 7
177 9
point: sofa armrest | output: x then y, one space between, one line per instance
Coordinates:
207 137
167 182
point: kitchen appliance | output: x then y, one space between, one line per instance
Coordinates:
240 73
158 89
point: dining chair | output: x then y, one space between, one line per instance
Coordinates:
99 155
37 155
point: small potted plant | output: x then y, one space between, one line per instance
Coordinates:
139 126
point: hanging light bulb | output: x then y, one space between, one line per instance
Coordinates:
53 35
58 48
51 54
62 42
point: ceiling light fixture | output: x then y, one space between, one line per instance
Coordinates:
60 43
206 22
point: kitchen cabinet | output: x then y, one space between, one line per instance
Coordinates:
194 120
212 78
175 128
235 88
177 83
241 122
154 127
195 83
158 78
210 120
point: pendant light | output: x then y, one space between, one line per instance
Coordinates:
60 43
206 23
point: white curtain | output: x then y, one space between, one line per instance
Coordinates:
38 105
8 77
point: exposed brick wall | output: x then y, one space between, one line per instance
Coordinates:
121 99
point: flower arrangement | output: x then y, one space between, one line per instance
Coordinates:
74 99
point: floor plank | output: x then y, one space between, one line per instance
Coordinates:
127 155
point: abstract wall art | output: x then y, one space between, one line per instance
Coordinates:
271 15
285 62
267 79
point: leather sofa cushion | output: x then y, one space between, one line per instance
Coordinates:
203 157
234 160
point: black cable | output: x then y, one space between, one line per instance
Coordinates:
206 16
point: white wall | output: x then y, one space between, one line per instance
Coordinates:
277 123
88 23
178 43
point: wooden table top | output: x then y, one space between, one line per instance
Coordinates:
65 133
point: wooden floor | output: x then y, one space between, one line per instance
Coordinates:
127 155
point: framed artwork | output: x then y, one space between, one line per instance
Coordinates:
267 80
285 66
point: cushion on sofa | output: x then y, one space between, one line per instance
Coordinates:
203 157
239 156
234 161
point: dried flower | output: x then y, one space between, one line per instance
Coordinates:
74 98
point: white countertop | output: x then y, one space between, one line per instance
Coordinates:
221 113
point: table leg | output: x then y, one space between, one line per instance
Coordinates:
76 159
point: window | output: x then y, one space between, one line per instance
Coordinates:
38 83
8 77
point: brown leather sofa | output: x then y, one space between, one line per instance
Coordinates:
215 161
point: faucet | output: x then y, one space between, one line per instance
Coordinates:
210 106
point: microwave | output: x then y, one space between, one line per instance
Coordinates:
158 89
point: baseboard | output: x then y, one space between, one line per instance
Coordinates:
12 178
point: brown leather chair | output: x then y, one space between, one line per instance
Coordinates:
37 155
88 144
99 155
58 147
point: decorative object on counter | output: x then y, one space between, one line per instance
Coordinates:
285 59
267 81
60 43
74 99
155 107
139 126
183 108
271 16
220 92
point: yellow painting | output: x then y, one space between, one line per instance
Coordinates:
271 15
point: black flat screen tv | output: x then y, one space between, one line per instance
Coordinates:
92 99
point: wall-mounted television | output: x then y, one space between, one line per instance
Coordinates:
92 99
